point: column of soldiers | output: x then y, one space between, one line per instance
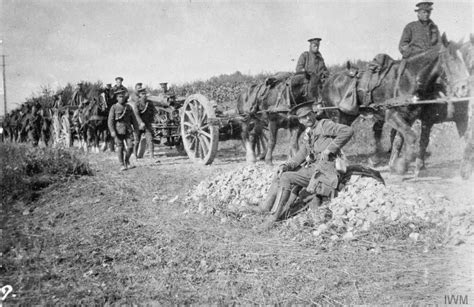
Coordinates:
129 121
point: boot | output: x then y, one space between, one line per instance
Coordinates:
120 153
280 202
269 201
127 158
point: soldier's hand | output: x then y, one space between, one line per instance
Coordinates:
141 126
113 135
325 155
281 169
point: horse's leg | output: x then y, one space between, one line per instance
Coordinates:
273 134
397 144
397 122
249 153
377 128
97 140
424 142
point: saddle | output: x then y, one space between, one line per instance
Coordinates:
364 82
259 93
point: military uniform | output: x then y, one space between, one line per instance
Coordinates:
325 134
313 64
316 158
115 89
145 114
121 123
419 36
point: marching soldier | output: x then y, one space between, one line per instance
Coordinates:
118 86
120 122
316 159
144 111
311 63
420 35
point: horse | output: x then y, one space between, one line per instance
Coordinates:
458 113
95 119
266 105
417 78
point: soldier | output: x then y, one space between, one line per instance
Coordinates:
118 86
78 96
134 95
420 35
311 63
323 142
33 124
120 122
144 111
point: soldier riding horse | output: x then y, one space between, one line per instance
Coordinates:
417 78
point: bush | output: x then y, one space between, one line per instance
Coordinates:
22 168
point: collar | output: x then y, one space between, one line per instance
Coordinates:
428 22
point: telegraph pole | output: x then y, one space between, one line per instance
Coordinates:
4 86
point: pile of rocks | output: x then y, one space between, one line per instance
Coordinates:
363 205
231 191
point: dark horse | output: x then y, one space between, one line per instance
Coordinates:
95 119
418 78
267 105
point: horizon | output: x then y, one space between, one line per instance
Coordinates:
52 43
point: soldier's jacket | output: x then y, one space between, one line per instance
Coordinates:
418 37
312 63
121 119
325 134
144 110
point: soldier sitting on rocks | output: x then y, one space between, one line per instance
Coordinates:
120 122
316 159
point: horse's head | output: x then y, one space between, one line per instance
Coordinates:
454 71
467 53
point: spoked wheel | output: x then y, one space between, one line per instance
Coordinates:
65 136
56 130
200 136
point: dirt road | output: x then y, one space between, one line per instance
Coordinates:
122 237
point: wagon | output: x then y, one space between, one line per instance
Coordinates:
194 125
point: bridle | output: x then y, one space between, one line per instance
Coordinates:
451 74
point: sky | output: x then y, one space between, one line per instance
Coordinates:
51 43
